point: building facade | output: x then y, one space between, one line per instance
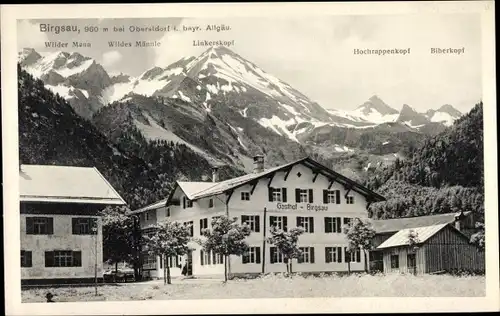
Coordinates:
61 230
299 194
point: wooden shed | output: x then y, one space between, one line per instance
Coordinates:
439 248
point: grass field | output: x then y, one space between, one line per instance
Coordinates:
275 287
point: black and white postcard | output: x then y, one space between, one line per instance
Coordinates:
248 158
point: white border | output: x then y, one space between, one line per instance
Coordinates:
13 305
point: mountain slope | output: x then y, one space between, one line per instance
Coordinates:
450 165
50 132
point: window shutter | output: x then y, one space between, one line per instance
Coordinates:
339 254
311 199
75 230
201 257
201 226
77 258
325 196
327 225
358 252
214 259
244 219
285 224
257 255
270 193
273 254
27 255
297 195
183 202
177 263
246 258
283 194
49 258
300 259
299 221
311 254
337 196
257 223
209 258
339 228
29 226
328 255
50 224
347 255
272 221
311 224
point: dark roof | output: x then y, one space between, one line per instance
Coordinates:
396 224
197 191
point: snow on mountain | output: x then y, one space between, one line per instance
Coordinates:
445 115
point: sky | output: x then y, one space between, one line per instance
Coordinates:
313 55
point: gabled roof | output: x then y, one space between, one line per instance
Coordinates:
401 237
65 184
396 224
197 190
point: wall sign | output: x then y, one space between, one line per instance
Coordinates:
308 207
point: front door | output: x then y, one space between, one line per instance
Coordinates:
411 263
189 264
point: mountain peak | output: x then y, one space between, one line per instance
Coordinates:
375 103
447 108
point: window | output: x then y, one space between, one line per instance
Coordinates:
211 203
26 259
304 196
252 221
395 261
252 256
277 195
186 203
217 258
167 213
146 216
173 262
331 196
354 256
306 255
203 225
279 222
84 226
349 199
333 254
333 225
245 196
190 224
276 256
205 258
307 223
63 258
39 225
149 261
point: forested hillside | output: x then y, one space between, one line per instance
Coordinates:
445 174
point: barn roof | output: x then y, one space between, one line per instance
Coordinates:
396 224
197 190
65 184
401 237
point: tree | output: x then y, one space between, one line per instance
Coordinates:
478 237
359 235
413 240
226 237
168 240
286 243
118 239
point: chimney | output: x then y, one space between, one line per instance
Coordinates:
215 174
258 163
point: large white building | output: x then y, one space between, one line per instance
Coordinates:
61 229
302 193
